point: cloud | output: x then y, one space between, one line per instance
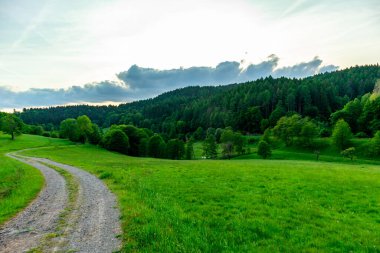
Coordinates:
263 69
300 70
140 83
89 93
139 78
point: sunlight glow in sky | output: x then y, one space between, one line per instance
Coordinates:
57 44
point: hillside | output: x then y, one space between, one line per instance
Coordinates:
242 106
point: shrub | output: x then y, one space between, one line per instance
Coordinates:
54 134
264 149
116 140
374 145
361 135
156 146
46 134
349 153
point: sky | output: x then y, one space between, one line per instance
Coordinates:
99 51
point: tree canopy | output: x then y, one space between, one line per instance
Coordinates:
11 124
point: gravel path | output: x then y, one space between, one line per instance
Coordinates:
91 226
39 219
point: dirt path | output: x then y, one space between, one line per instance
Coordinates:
51 224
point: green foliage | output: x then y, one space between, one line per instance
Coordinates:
232 142
227 139
276 114
143 147
218 134
287 128
116 140
12 125
189 155
239 143
35 130
375 145
175 149
199 134
309 132
295 130
361 135
370 118
266 136
349 152
211 131
264 124
209 147
264 149
54 134
95 136
136 135
156 146
350 113
184 110
249 120
84 125
46 134
69 129
341 135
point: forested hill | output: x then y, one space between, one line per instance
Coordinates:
250 106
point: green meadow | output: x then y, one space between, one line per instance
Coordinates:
246 205
19 183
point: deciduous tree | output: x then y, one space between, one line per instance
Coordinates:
264 149
341 135
10 124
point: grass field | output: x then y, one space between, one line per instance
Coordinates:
238 205
328 153
19 183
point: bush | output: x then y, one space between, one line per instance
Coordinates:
54 135
361 135
349 153
252 140
325 132
374 145
264 149
156 146
116 140
35 130
46 134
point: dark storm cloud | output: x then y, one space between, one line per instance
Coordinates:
139 83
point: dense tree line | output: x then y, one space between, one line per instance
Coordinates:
362 114
249 107
294 111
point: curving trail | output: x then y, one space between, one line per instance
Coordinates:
40 218
91 223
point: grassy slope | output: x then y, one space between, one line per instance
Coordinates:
238 205
328 153
19 183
